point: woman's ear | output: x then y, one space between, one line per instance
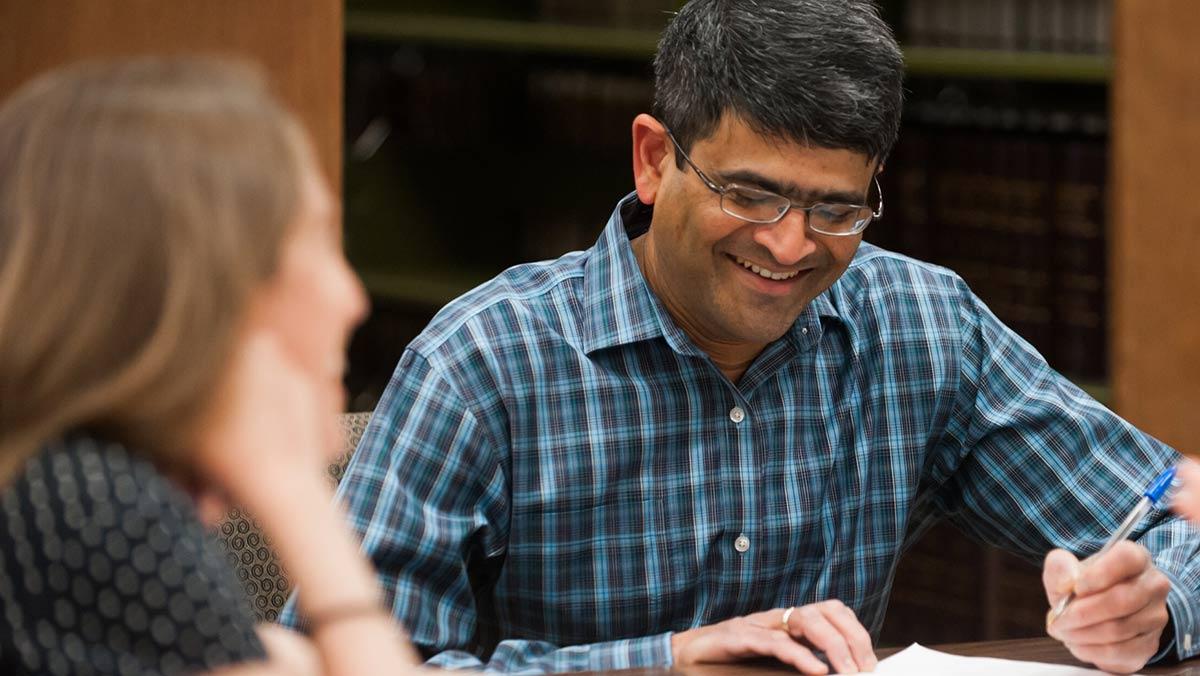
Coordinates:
650 156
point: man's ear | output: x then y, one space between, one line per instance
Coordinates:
651 153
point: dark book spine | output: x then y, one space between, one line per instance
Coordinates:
1080 261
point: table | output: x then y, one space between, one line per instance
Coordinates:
1032 649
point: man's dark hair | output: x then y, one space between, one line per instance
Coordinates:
824 73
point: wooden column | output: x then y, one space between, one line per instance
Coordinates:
299 42
1154 233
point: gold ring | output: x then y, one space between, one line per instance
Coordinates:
787 615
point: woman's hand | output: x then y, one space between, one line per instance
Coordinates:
266 448
271 422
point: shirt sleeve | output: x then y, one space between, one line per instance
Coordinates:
1029 462
427 490
105 569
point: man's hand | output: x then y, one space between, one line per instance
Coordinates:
828 626
1120 608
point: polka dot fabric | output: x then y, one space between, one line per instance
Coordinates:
248 550
105 569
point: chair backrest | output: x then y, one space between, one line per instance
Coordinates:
249 551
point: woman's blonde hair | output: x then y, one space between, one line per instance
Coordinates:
141 202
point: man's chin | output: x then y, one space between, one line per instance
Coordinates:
767 326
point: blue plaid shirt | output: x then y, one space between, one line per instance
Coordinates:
557 478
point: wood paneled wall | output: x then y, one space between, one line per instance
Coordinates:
1154 233
299 42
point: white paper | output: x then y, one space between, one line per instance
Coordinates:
917 660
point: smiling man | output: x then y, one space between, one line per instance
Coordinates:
710 436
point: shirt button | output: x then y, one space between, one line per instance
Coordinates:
741 544
736 414
804 330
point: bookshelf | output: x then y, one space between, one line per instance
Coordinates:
629 43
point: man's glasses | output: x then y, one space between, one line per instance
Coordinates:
763 206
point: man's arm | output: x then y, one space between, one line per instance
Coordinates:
1031 463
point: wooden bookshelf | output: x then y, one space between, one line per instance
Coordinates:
534 36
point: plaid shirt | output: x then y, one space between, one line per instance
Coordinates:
557 477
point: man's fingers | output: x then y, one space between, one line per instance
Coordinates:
810 623
1119 612
1059 573
1119 601
1150 618
753 640
1123 562
1120 658
846 622
829 626
740 638
790 652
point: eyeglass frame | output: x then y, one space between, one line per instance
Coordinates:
722 190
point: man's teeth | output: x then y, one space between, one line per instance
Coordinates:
763 272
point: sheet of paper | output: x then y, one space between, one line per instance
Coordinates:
917 660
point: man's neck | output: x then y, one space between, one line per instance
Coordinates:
733 360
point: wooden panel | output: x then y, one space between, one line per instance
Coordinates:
1155 228
298 41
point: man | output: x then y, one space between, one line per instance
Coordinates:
709 436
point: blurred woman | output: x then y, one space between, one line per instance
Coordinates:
174 312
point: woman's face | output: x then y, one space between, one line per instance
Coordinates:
278 404
314 301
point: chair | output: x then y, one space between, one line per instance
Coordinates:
249 551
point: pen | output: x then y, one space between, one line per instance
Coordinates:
1150 497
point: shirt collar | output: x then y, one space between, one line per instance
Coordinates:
808 328
621 309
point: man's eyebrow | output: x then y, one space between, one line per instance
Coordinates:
793 192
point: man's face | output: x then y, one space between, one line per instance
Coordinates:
708 267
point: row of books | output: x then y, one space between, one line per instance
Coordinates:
585 109
1073 26
1019 213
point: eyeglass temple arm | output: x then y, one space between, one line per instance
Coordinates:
703 177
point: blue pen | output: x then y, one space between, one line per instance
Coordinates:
1149 498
